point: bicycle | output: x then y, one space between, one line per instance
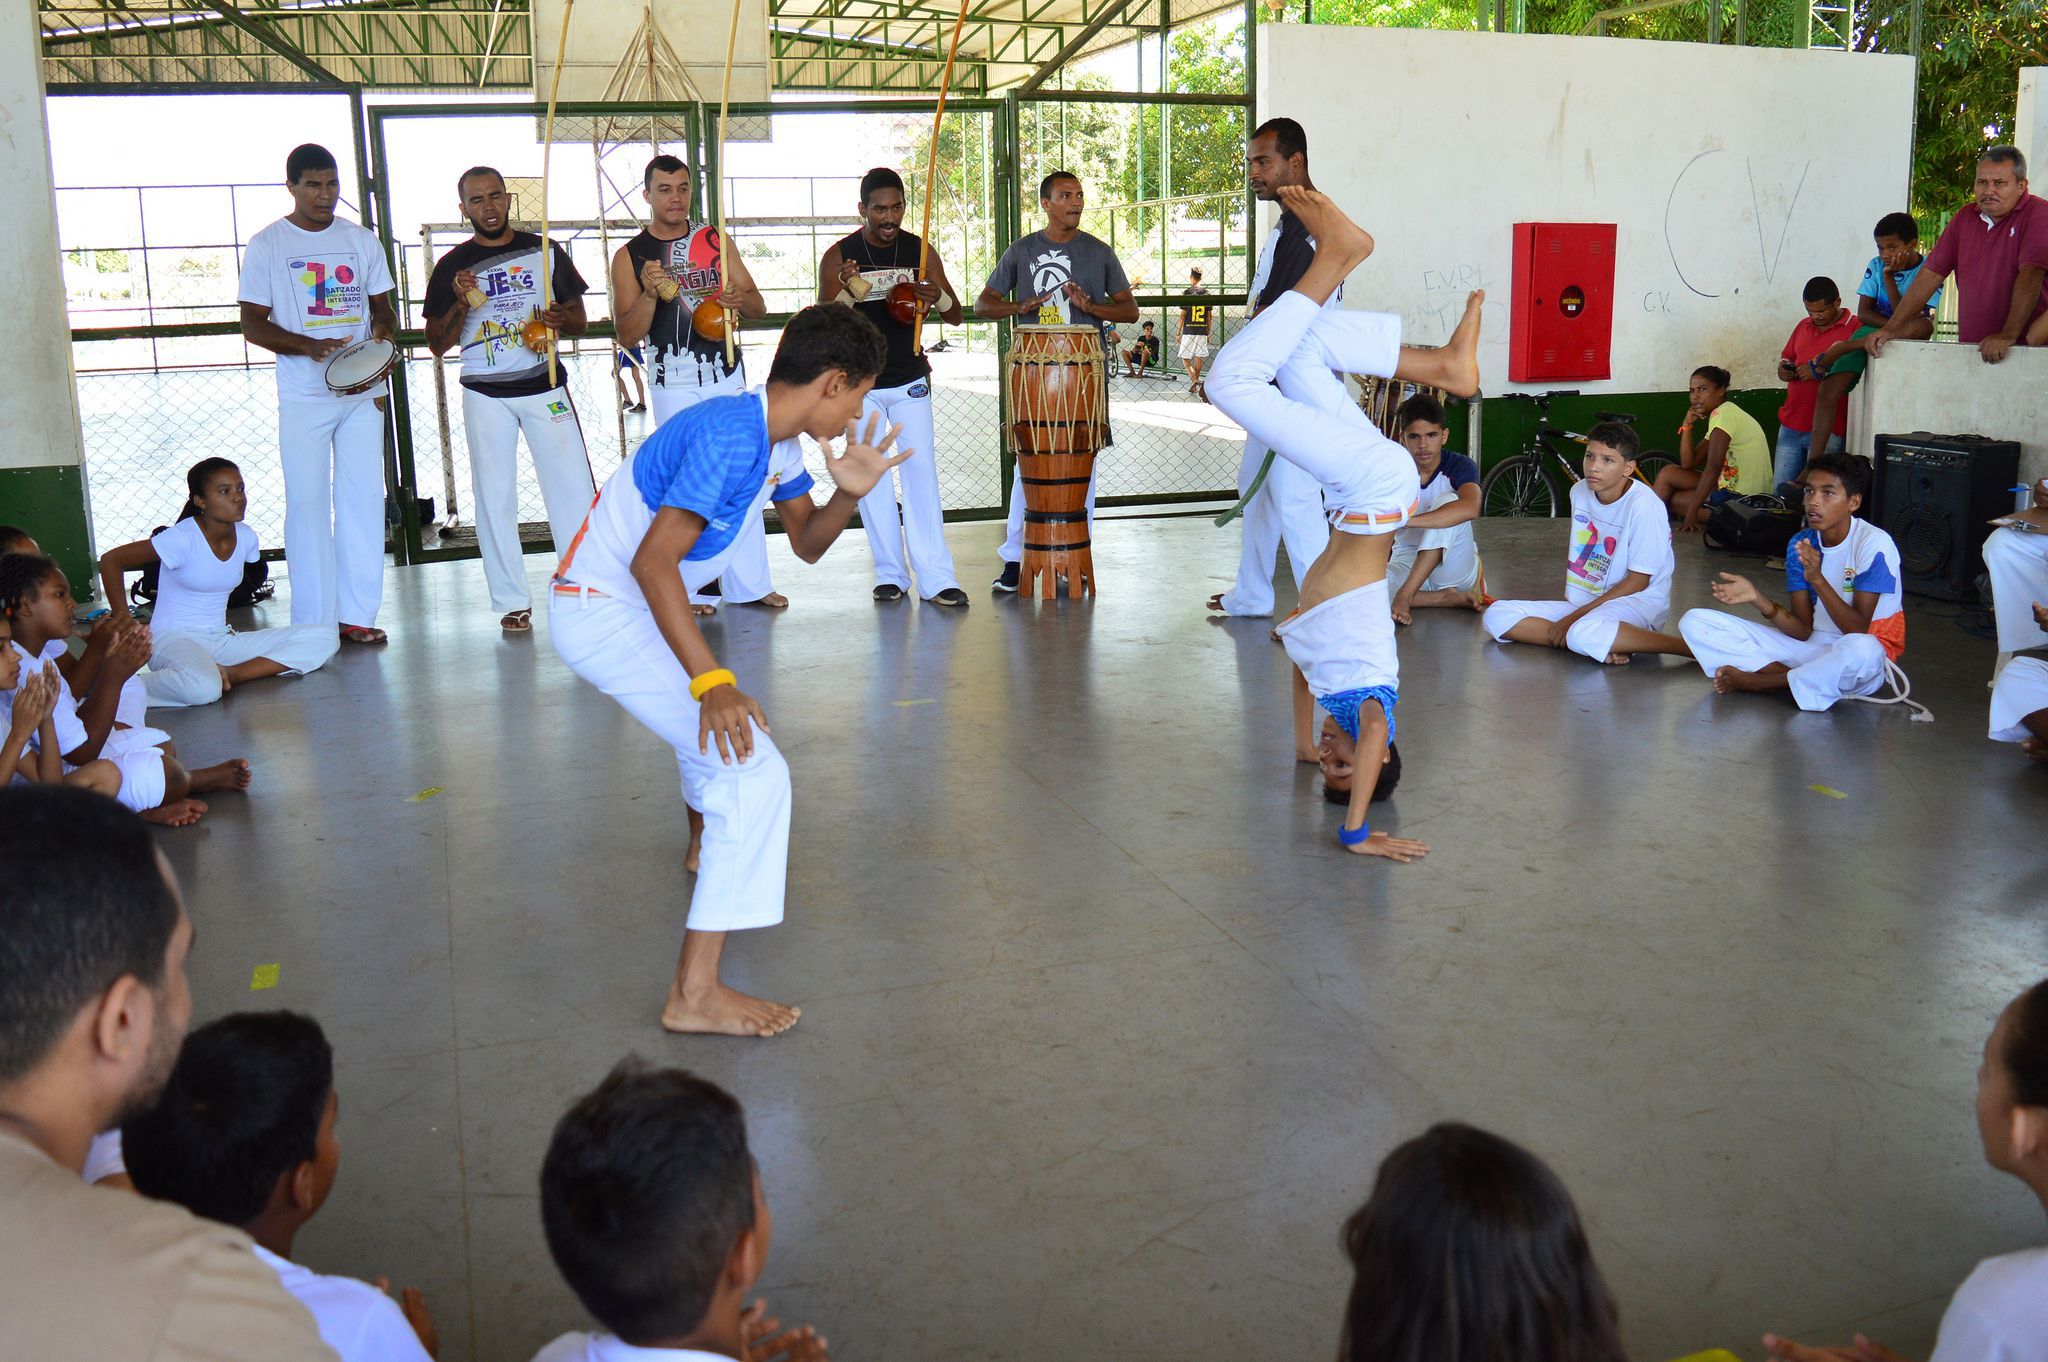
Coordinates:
1526 483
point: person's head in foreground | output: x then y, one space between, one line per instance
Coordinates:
1611 449
1470 1250
244 1131
1420 420
1898 241
93 937
1836 485
653 1209
1823 299
831 356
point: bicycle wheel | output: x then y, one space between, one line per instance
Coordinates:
1518 486
1650 464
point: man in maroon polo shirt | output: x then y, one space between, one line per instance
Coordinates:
1997 248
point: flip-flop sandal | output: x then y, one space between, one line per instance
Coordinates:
363 633
517 622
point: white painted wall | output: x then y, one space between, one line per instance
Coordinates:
39 401
1950 390
2030 128
1733 174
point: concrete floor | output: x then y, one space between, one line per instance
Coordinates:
1103 1034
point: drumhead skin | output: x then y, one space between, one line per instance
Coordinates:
362 365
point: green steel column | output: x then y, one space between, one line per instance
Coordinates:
1009 220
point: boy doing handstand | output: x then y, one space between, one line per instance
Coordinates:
1275 380
665 524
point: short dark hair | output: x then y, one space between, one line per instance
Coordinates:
307 156
242 1109
462 180
2026 1047
1618 436
1288 138
87 903
1419 407
1194 271
1852 469
1714 374
1470 1250
646 1187
1819 289
824 337
1899 225
1045 185
2009 154
21 576
881 177
665 163
1147 326
10 535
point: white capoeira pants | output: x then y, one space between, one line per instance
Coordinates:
1457 570
746 576
136 753
333 457
1824 668
919 534
132 710
184 668
1593 635
617 647
560 464
2018 563
1369 482
1288 508
2021 689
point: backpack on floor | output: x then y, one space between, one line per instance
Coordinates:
255 585
1759 524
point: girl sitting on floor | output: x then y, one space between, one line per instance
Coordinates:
28 752
197 657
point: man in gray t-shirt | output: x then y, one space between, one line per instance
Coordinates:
1058 276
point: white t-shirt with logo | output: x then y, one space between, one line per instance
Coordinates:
315 284
1866 560
1632 534
193 585
1999 1313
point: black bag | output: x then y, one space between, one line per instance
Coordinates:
255 582
1759 524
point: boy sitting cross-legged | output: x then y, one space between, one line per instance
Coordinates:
1436 559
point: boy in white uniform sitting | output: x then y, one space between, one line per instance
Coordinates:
1617 574
2019 699
1275 380
1846 623
654 1214
1436 558
244 1135
666 523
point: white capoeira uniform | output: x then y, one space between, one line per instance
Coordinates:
601 626
1345 649
1828 665
134 751
1458 569
2017 561
746 576
2021 689
320 284
1609 540
505 394
1288 507
189 626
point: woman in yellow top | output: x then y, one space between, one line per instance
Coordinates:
1733 461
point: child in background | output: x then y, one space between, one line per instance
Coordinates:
244 1134
1618 565
1846 626
29 753
1143 353
1826 330
1735 460
1436 560
81 672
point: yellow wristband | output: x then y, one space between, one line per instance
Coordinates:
705 682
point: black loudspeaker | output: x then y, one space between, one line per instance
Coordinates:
1934 494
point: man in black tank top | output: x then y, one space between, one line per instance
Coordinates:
859 271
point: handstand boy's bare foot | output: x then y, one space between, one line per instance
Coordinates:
179 813
696 851
1346 243
722 1011
1728 679
2036 748
1461 351
232 774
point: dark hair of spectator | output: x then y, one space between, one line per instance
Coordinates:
646 1187
243 1108
304 157
86 905
1470 1250
2026 1047
1418 407
462 180
824 337
1898 226
1820 289
1288 138
195 482
1715 375
666 164
21 576
881 177
1852 469
1619 437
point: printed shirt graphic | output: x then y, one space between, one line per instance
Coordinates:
1865 560
1036 266
1608 542
1873 287
1194 318
682 358
495 357
315 284
1747 469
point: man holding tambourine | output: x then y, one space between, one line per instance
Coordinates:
317 290
485 296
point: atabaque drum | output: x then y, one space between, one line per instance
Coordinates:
1059 419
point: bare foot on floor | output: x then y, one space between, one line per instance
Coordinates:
774 600
696 851
227 680
700 610
1729 679
2036 748
180 813
1325 221
728 1012
1462 349
232 774
1619 659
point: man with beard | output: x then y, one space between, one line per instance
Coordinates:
93 1007
481 296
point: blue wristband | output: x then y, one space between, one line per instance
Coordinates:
1351 838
